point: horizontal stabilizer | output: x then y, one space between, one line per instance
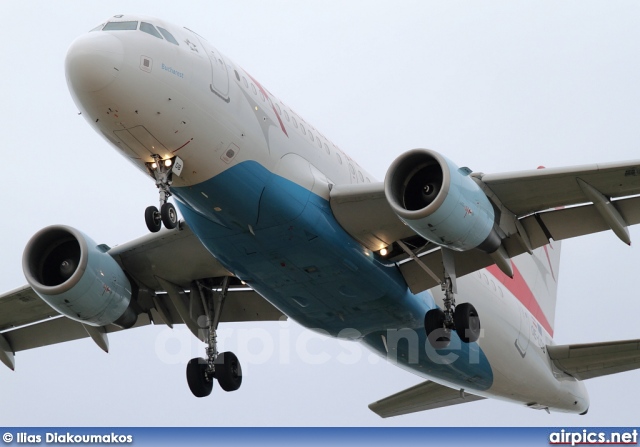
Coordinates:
590 360
425 396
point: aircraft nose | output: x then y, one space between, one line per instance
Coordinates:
93 61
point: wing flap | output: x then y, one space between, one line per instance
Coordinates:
581 220
55 330
527 192
586 361
363 211
424 396
27 322
22 306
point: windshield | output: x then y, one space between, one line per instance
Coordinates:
119 26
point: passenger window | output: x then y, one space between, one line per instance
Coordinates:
326 148
237 75
253 87
278 109
244 81
360 177
120 26
367 179
167 35
319 143
339 158
304 131
150 29
311 136
286 115
262 96
295 123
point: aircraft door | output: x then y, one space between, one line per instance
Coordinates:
219 76
522 342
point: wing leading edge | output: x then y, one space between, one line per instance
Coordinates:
535 206
165 266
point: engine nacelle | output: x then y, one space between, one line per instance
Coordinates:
78 278
440 202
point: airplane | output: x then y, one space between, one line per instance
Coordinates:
279 221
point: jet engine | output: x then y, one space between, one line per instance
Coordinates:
78 278
440 202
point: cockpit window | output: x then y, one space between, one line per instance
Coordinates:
97 28
150 29
167 35
120 26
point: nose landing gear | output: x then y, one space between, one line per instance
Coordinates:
162 172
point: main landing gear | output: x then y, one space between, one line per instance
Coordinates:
462 318
223 367
162 171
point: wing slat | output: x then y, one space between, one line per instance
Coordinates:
27 322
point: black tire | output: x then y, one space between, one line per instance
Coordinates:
169 216
151 219
228 371
197 379
439 337
467 322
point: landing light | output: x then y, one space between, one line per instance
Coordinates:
167 163
384 252
154 165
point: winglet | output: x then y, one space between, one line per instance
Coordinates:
6 353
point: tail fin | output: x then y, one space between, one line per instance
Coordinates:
535 282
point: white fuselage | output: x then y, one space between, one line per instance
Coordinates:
253 167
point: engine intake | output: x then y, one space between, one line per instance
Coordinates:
440 202
76 277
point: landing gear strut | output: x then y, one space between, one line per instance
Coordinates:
162 172
223 367
462 318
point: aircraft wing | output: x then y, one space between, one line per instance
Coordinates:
424 396
586 361
543 204
163 265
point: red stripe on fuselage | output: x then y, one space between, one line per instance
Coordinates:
521 290
268 98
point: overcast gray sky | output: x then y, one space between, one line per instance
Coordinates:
497 86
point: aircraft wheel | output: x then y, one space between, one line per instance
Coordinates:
438 336
169 215
151 218
228 371
199 385
467 322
